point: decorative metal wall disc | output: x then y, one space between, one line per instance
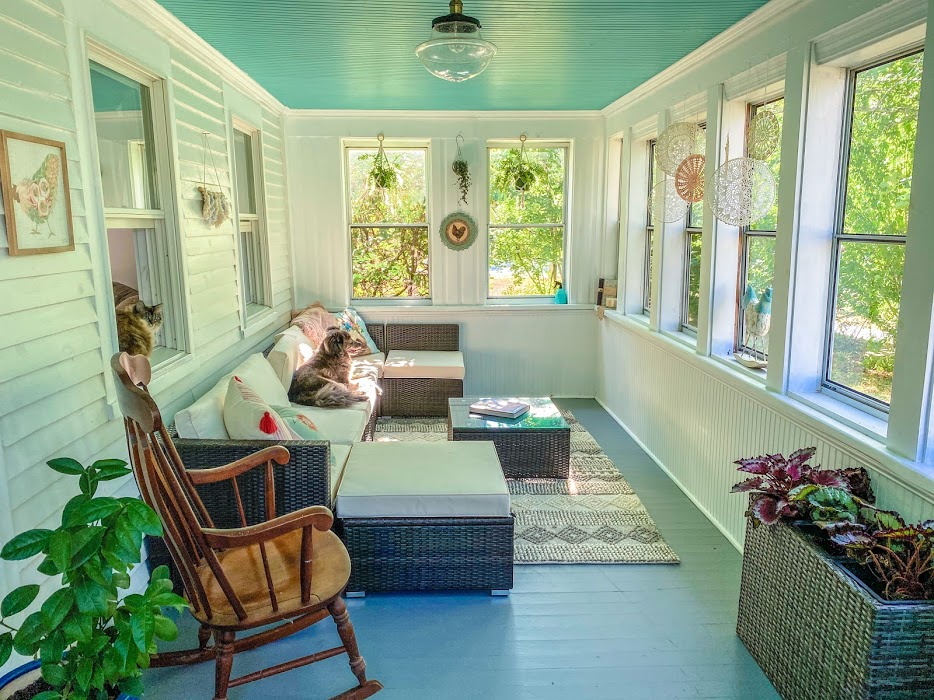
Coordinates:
741 191
689 178
676 143
764 137
458 231
673 208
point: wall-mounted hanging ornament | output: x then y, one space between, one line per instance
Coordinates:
673 207
689 178
462 171
676 143
741 191
383 174
215 207
764 134
458 231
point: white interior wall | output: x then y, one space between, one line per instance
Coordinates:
513 356
56 395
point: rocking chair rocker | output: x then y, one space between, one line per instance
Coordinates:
289 569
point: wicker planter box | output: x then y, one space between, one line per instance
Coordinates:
821 634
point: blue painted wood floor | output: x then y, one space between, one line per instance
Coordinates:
577 632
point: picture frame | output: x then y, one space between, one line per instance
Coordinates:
36 195
458 231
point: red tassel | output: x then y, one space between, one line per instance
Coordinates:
238 379
267 424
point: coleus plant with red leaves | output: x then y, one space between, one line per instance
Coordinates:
776 479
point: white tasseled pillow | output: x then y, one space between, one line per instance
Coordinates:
248 417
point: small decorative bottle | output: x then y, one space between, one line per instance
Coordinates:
561 296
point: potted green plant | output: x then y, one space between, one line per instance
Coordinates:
91 641
843 613
383 174
462 171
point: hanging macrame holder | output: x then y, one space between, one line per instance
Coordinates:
677 142
215 207
382 174
741 191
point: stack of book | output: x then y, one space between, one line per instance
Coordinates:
499 408
607 290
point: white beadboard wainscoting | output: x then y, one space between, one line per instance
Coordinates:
695 416
515 350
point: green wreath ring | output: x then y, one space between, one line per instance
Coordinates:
458 231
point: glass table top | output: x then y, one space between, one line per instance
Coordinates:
543 415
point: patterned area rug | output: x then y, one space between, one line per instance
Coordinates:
592 518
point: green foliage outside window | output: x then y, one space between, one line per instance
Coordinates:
526 261
389 261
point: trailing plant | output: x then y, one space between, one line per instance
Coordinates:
462 170
92 643
516 172
777 484
383 174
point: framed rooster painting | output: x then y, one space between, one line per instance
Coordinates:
36 198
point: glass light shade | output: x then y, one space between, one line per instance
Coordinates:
456 51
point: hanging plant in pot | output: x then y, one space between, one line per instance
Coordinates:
383 174
517 173
462 171
92 642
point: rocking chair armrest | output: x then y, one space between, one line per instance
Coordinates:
318 517
276 453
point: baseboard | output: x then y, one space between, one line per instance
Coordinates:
671 476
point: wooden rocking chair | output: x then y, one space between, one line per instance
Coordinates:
290 569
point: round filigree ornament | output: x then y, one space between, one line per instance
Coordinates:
689 178
764 135
676 143
458 231
673 207
741 191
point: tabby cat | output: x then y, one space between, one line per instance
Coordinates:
137 326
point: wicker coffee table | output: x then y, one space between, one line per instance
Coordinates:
536 445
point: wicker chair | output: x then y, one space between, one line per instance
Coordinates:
287 571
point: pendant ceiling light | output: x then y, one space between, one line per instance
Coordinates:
456 51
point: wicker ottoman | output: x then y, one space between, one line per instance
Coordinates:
420 382
425 517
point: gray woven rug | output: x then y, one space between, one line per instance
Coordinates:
592 518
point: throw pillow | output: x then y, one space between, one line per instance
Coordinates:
300 424
248 417
351 321
314 322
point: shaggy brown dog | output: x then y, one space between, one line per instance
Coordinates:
325 379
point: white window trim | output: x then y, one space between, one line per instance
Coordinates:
566 214
388 144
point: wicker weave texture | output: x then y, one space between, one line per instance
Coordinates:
377 332
429 554
819 635
442 337
418 397
524 454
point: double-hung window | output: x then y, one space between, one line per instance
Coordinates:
254 254
527 226
137 191
649 235
757 241
872 225
693 238
389 223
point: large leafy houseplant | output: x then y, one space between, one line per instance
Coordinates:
92 642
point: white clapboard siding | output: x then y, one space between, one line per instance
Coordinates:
54 351
696 425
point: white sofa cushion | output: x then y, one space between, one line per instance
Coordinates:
339 425
248 417
339 455
422 480
367 366
204 419
291 351
424 364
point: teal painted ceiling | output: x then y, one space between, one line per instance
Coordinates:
553 54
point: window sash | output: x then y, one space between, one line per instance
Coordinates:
647 272
746 237
686 325
367 146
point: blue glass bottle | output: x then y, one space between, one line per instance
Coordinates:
561 296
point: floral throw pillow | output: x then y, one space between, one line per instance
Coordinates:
300 424
350 321
314 322
248 417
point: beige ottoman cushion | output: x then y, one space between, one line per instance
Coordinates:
424 364
423 480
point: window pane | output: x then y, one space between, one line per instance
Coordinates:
760 272
869 286
525 261
543 200
402 204
390 262
123 121
694 273
649 250
882 141
649 202
769 222
243 155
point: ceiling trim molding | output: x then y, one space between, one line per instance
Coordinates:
460 115
876 27
723 41
184 38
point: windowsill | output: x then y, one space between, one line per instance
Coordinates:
257 319
403 302
686 339
843 412
473 308
733 365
